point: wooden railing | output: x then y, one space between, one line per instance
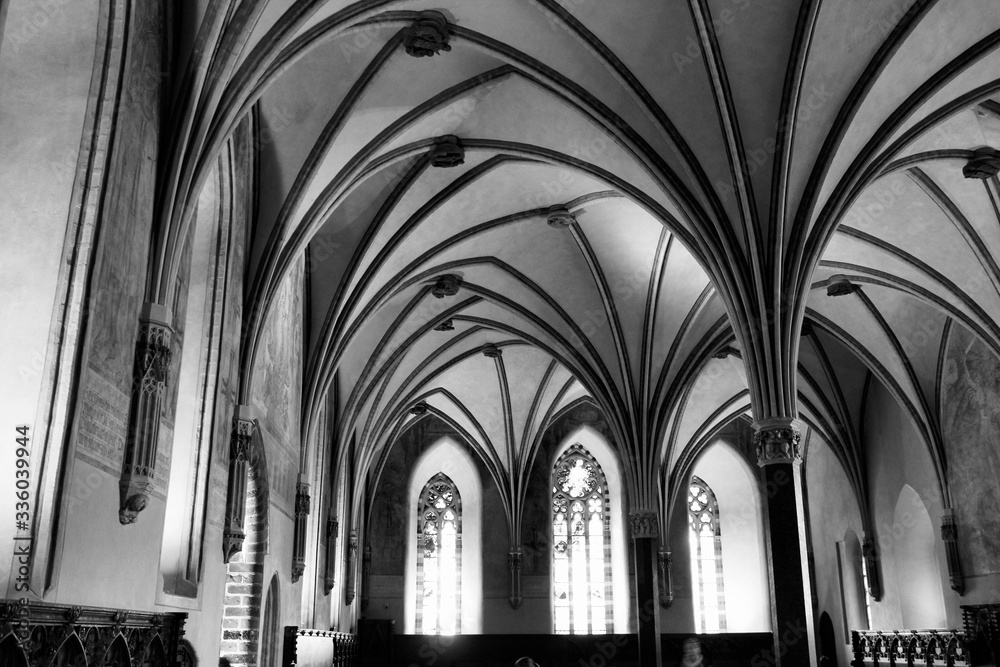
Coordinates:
930 648
38 634
319 648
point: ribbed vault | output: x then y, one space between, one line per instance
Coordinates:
726 164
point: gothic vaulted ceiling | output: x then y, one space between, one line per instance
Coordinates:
716 166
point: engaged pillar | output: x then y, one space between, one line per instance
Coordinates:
779 453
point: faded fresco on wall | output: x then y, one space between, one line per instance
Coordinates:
121 262
971 426
277 388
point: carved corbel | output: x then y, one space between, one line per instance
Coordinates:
427 35
240 445
870 557
150 373
778 441
515 561
332 526
949 533
366 566
664 562
301 520
352 566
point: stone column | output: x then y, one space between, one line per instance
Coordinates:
779 453
302 502
645 547
150 371
514 562
240 443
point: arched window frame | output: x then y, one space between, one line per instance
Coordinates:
439 551
447 456
570 613
706 557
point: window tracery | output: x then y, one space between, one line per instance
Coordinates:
439 554
581 555
706 558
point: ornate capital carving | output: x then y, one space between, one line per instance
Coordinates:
984 163
778 441
949 534
559 217
644 524
447 325
419 409
150 372
427 35
447 152
492 351
446 285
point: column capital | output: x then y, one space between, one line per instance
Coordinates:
778 440
644 524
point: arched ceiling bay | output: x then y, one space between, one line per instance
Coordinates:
723 160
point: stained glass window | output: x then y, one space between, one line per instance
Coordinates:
439 558
581 554
706 558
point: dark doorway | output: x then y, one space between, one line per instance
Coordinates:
827 639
